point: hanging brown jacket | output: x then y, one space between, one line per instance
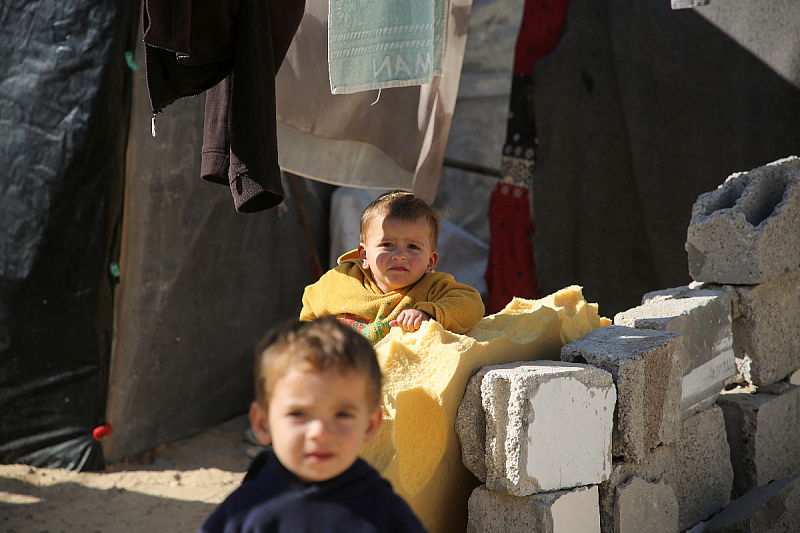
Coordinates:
232 49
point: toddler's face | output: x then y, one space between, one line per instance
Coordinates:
397 253
317 421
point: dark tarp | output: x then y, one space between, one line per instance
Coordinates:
145 321
64 109
641 109
199 285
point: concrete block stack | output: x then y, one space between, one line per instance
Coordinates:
744 240
538 435
703 382
643 365
683 465
706 364
706 360
763 426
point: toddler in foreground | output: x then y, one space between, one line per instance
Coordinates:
389 280
318 390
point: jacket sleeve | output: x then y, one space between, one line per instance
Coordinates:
322 294
307 312
456 306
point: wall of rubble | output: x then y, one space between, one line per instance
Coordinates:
682 415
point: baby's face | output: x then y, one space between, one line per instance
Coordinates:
397 253
318 420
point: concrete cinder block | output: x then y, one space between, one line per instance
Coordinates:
471 426
763 431
643 364
739 233
775 507
766 328
548 426
657 467
549 512
703 318
704 475
642 505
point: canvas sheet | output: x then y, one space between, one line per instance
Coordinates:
393 140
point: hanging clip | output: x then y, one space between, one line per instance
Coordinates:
129 60
102 431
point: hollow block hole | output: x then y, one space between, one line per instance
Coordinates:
727 196
765 196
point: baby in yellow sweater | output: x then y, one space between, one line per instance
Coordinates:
389 280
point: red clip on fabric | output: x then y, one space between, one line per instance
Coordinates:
101 431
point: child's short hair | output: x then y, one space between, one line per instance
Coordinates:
324 343
401 205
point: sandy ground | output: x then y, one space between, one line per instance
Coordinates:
173 488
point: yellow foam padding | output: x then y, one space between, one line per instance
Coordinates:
425 375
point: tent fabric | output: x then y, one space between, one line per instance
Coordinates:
199 284
511 270
392 139
64 109
479 124
639 110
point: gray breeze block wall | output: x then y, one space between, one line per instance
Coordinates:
693 421
741 232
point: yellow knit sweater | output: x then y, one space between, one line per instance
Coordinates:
349 292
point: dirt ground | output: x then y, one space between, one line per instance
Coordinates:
173 488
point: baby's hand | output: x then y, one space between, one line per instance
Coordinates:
410 319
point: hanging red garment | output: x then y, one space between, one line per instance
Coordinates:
511 269
511 232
